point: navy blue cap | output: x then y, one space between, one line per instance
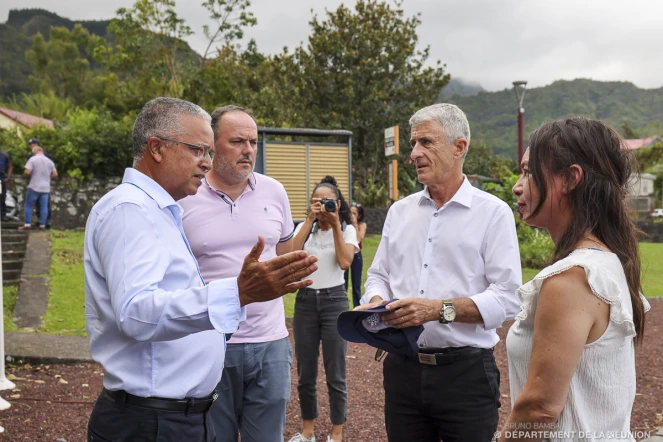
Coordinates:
33 141
393 340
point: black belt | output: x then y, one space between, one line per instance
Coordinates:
188 405
442 356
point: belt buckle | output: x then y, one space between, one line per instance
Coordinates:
428 359
215 396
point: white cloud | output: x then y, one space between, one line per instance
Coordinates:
490 42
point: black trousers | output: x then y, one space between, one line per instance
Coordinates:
3 198
455 402
127 423
356 268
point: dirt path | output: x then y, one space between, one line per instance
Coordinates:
48 408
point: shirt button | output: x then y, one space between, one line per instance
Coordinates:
430 239
435 214
425 266
421 291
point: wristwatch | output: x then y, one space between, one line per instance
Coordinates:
448 312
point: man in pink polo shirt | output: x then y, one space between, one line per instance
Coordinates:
222 223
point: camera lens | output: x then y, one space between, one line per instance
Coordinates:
330 205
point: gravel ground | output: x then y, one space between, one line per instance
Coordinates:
53 402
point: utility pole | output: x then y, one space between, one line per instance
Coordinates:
519 88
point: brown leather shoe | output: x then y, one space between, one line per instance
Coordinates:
24 227
42 227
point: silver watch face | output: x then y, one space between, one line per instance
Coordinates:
449 314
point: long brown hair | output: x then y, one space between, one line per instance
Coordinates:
598 202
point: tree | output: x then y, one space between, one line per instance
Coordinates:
361 71
148 57
62 65
481 160
628 131
230 17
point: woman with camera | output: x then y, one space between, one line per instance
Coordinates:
328 234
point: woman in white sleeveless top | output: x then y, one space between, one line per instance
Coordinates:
571 348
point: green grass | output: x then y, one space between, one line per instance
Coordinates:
66 311
529 274
9 293
66 304
651 260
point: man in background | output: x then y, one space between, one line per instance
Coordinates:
34 142
232 206
40 169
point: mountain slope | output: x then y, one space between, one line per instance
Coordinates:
492 115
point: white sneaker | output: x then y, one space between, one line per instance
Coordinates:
329 439
299 438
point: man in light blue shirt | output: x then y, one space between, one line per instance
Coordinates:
153 323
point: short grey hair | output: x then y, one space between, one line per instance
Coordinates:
162 117
453 121
37 149
219 112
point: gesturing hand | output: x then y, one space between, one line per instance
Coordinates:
267 280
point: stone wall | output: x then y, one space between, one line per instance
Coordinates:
71 201
653 232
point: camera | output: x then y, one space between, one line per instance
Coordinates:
329 204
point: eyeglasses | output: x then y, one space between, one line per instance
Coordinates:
201 151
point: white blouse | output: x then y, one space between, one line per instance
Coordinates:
602 390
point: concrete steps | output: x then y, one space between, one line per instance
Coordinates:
14 243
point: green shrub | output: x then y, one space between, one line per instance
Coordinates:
88 144
536 246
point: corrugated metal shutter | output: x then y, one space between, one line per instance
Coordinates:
330 160
286 163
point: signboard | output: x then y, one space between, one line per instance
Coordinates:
391 141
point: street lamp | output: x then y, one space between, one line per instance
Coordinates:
519 88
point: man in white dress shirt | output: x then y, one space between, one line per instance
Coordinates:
154 324
449 254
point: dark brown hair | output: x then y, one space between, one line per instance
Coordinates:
598 202
330 182
219 112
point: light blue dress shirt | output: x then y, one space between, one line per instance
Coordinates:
153 324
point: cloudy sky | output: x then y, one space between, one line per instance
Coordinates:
491 42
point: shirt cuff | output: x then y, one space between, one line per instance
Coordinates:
225 312
492 311
366 299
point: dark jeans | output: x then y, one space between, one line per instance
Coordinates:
253 392
356 268
113 422
316 312
3 198
31 198
455 402
49 212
